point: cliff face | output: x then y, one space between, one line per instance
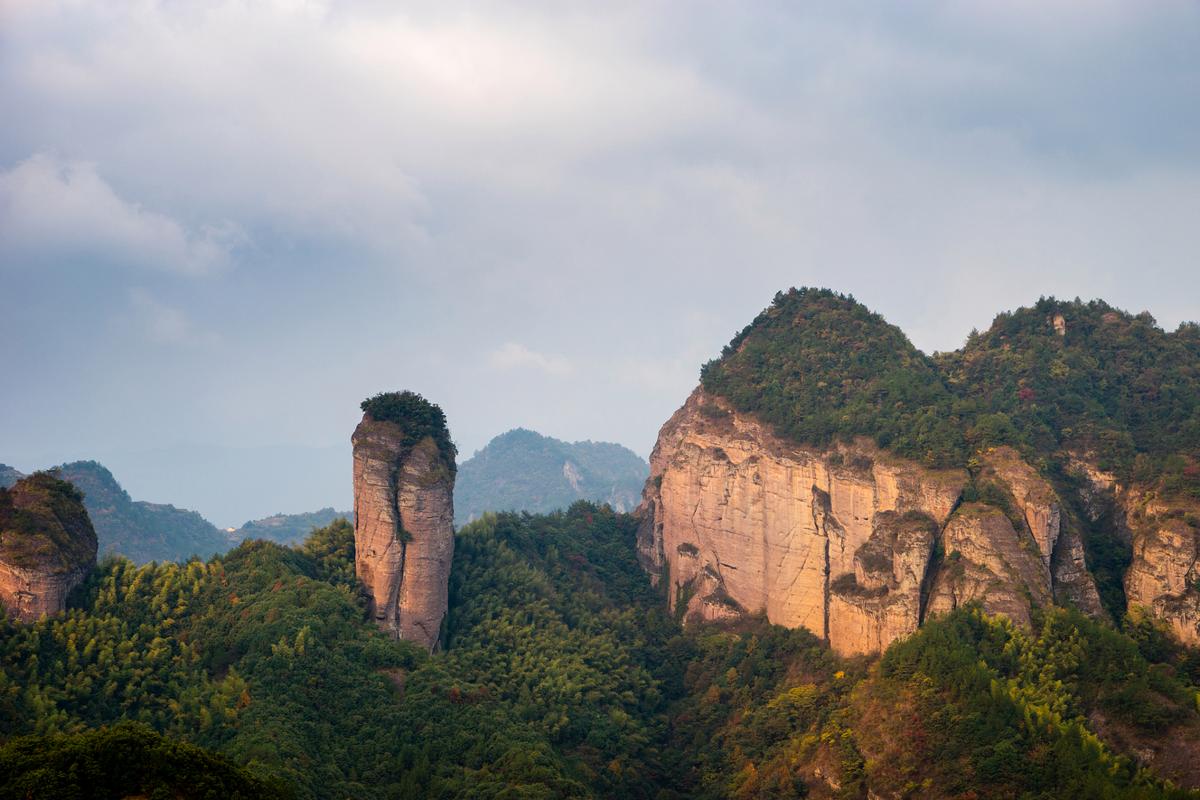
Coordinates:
1164 536
403 533
47 546
841 540
737 520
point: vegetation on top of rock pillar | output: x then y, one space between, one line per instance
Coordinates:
416 417
43 524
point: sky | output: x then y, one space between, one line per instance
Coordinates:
224 224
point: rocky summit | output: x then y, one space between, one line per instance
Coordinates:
47 545
829 476
404 511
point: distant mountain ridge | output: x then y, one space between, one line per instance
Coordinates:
139 530
9 476
288 528
522 470
143 531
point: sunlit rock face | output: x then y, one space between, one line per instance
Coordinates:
47 546
850 542
403 533
837 541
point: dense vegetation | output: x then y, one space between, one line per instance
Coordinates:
562 676
1110 384
43 525
139 530
525 471
818 366
416 417
124 761
1060 376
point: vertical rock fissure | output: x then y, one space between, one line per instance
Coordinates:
394 604
819 526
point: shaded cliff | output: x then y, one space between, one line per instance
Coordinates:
404 510
524 471
47 545
139 530
830 475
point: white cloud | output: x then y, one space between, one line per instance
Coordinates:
51 209
513 356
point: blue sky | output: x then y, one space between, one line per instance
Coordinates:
224 224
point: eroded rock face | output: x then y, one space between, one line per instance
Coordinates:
841 540
403 532
1058 536
1163 575
881 600
47 546
988 561
1164 535
736 520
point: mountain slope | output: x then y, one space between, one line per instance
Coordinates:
563 677
288 528
9 476
524 471
139 530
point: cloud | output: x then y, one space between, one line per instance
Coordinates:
52 210
513 356
165 324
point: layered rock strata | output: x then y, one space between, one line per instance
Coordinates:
403 531
47 546
842 540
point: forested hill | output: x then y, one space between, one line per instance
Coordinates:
524 471
288 528
561 675
1054 379
139 530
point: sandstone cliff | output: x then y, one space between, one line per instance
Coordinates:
47 545
737 520
404 511
1163 534
841 540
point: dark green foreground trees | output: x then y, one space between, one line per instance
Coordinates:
561 676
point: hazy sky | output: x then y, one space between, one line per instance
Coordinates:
224 224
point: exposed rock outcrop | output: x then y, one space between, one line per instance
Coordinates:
988 561
1164 536
841 540
403 532
1057 534
47 545
737 520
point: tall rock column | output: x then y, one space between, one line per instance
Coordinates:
404 509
